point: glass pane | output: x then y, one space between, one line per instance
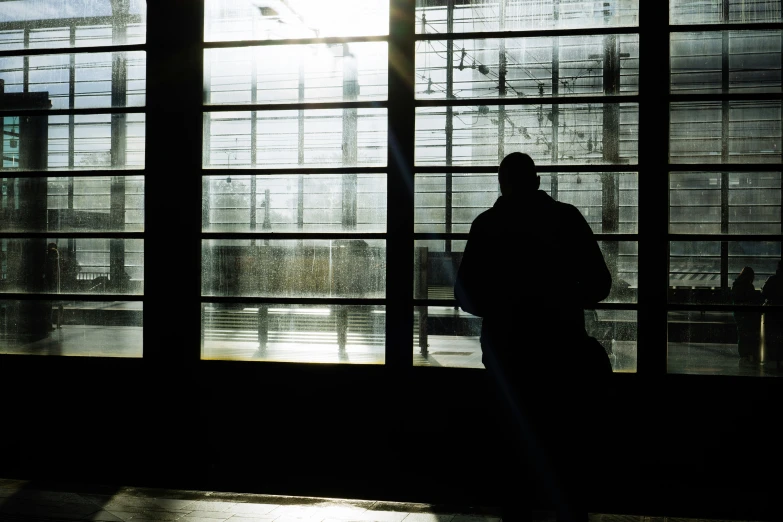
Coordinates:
77 142
86 329
436 264
752 202
580 62
66 204
694 265
446 336
580 133
277 20
742 132
295 203
617 331
695 268
297 73
294 333
97 22
310 138
609 201
721 343
695 203
470 194
75 266
753 62
622 258
491 15
711 11
99 79
294 268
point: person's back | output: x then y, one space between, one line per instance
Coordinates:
530 267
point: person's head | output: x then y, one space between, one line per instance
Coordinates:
747 274
51 246
517 174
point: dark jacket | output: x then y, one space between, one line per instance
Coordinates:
530 267
773 289
743 292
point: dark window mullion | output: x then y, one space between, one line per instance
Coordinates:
172 246
401 125
652 340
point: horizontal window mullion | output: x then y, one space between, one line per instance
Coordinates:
72 235
69 173
750 26
541 169
292 300
85 297
293 171
295 41
297 106
429 236
724 237
73 50
424 236
553 100
730 96
597 306
529 33
725 167
67 112
283 236
686 307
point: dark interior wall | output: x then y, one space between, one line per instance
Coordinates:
687 445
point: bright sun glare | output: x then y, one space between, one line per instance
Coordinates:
332 18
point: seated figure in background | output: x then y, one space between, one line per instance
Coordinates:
748 322
772 291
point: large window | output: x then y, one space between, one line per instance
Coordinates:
294 181
335 153
724 182
72 96
492 78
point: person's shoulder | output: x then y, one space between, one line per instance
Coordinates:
565 207
568 210
485 217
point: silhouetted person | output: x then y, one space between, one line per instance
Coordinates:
52 275
530 267
772 291
748 322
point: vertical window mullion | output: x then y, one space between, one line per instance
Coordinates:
172 310
401 132
653 190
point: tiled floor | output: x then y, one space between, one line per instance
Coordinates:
22 501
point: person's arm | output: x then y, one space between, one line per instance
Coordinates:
594 281
467 285
767 289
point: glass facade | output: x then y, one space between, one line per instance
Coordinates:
322 210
